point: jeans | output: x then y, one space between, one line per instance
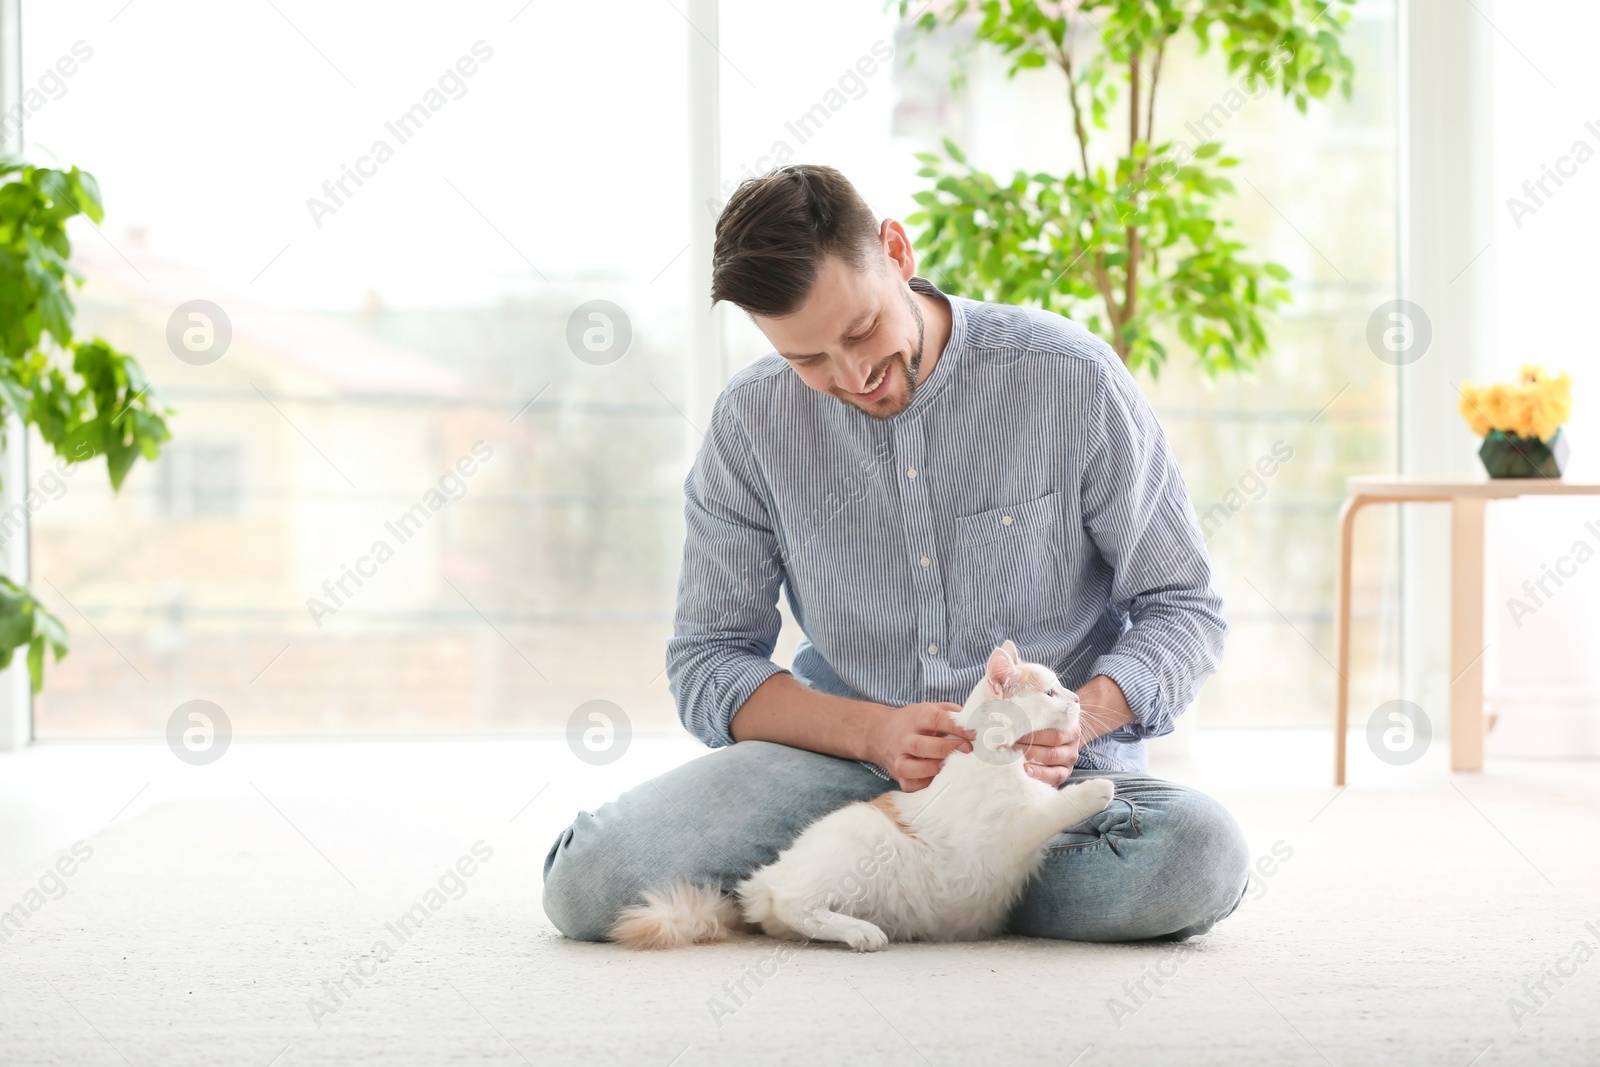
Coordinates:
1163 861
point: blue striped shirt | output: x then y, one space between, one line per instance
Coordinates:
1027 492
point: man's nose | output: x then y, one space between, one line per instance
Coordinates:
858 375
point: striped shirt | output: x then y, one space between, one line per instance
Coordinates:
1027 492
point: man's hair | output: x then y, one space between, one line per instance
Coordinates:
774 231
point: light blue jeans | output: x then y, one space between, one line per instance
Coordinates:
1163 861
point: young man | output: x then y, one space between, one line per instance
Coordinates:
926 476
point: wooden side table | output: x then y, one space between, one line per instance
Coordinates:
1467 498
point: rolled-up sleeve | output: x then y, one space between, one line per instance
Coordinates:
726 623
1138 513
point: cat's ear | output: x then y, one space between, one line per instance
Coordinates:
1011 650
1002 665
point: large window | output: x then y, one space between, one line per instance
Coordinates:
433 481
413 488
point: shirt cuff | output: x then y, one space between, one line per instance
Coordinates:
1141 688
736 689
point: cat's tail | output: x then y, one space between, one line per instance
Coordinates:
679 915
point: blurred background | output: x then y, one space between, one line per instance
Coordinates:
373 344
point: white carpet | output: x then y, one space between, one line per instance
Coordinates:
201 929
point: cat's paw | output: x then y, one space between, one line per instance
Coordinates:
1102 789
1095 794
870 939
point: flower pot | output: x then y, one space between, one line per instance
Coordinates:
1507 455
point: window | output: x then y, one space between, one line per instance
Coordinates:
198 479
422 487
408 495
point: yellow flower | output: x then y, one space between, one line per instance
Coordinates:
1555 406
1497 403
1472 410
1535 405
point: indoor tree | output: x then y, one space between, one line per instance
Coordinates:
85 398
1129 240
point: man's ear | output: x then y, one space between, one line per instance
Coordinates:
1000 669
899 254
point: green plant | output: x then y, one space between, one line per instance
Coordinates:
86 398
1138 244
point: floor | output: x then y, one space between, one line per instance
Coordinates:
244 912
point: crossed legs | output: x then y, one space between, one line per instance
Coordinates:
1163 861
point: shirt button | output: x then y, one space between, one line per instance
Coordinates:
911 472
1005 520
933 650
925 561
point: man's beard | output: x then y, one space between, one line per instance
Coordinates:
916 357
910 371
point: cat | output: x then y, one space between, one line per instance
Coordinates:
945 863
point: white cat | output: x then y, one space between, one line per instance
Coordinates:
945 863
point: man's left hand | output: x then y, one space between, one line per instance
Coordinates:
1049 755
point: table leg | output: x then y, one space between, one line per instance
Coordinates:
1341 718
1466 634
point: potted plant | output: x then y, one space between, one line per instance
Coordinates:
1135 249
85 398
1520 423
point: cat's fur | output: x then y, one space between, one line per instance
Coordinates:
945 863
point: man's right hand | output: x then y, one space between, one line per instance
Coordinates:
911 743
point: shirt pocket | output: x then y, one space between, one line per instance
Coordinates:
1004 572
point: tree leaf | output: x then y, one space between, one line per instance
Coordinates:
99 403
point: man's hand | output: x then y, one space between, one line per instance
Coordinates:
912 742
1050 754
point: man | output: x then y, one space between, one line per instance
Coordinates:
925 476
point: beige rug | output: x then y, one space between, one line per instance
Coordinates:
1393 928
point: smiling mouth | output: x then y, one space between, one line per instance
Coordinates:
877 381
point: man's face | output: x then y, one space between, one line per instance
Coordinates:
858 337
